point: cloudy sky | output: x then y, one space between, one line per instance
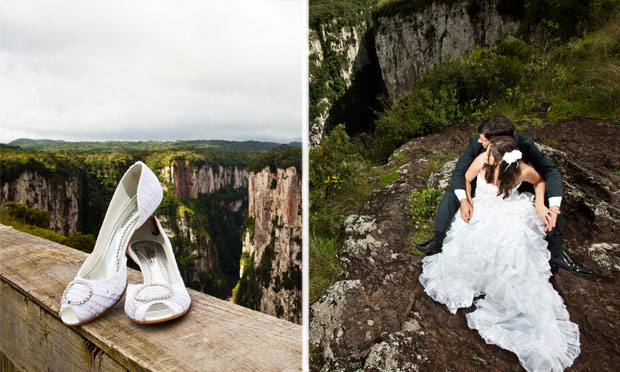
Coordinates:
151 70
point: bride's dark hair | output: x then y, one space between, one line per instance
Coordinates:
507 173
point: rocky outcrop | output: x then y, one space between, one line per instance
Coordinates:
59 197
408 44
188 180
377 317
375 292
272 242
234 206
606 256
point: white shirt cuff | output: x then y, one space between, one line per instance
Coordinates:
555 201
461 194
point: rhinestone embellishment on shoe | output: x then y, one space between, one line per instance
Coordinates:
78 302
137 296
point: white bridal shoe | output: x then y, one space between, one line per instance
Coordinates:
102 279
163 295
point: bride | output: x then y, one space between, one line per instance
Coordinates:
499 252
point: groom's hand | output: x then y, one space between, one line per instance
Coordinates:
466 210
547 216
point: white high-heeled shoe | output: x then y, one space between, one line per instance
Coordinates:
102 279
163 295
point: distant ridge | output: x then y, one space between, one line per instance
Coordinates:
115 146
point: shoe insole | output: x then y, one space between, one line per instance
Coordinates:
124 227
153 261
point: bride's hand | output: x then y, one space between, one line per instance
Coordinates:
555 210
466 210
547 217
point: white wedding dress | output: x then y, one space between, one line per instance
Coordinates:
501 254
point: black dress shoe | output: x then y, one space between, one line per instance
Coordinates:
431 247
564 261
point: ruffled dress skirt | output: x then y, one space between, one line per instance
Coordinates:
501 254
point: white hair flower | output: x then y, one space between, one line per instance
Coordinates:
512 156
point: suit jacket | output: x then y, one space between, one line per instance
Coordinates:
531 155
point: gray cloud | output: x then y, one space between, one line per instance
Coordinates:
103 70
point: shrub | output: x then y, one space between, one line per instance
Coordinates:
36 222
424 203
415 114
423 208
333 162
29 216
484 75
562 20
83 242
388 178
291 279
513 47
249 223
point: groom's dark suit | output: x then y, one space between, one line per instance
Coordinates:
450 204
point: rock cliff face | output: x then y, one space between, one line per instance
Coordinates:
348 44
377 317
189 241
347 41
354 59
60 198
188 181
411 43
193 232
272 243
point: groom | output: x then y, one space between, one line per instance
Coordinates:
455 197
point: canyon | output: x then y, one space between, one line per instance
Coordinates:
205 204
360 56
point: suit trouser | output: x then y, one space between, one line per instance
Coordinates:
449 206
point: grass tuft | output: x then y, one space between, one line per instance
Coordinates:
324 264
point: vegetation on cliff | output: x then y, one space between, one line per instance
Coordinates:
329 91
555 19
257 278
345 12
36 222
214 228
55 167
281 157
248 291
120 146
